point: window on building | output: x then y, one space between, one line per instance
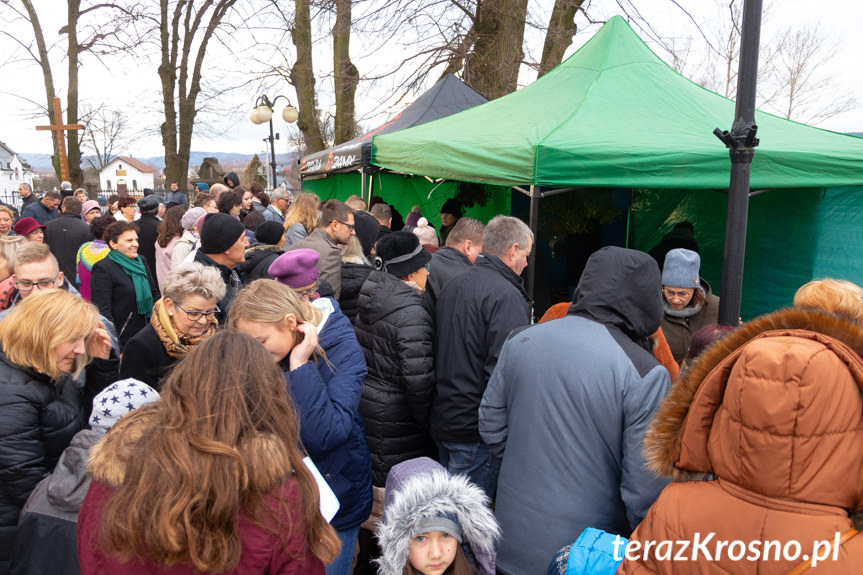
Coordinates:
109 184
135 185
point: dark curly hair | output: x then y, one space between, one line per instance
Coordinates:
113 232
126 201
100 224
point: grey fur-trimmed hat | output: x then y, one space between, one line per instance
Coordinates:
418 492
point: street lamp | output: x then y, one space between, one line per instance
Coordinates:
263 112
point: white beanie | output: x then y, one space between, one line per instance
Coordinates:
117 400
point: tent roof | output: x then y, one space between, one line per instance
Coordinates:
614 114
448 96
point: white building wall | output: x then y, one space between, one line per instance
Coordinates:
135 179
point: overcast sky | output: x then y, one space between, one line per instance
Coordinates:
126 84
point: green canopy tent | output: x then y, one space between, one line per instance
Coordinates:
614 115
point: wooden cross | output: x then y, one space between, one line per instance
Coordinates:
61 142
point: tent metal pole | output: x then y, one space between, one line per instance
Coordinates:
363 186
534 224
741 143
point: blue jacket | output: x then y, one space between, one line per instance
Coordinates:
327 397
595 552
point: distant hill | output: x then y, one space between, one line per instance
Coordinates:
42 162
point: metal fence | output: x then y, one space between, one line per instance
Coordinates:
12 198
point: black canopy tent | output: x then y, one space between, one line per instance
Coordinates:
448 96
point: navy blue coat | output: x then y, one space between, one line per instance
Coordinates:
327 397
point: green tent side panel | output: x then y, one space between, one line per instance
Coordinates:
655 212
793 236
339 187
405 192
839 236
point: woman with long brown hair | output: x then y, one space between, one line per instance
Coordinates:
302 219
209 479
169 231
324 370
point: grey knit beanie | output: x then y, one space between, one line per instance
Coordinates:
681 269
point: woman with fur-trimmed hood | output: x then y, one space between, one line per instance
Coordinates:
423 498
767 426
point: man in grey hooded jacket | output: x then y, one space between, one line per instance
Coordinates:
566 408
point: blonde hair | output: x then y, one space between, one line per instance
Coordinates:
352 252
304 211
8 211
194 278
9 247
41 322
835 296
268 301
32 252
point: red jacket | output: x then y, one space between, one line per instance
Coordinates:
262 551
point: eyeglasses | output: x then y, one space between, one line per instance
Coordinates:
681 294
308 293
196 315
43 284
350 226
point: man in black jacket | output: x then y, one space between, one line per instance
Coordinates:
66 234
148 229
463 245
223 246
475 313
25 190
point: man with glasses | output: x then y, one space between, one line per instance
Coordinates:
37 269
335 228
279 205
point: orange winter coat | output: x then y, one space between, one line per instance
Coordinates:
771 420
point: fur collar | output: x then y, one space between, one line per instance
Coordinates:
266 459
663 438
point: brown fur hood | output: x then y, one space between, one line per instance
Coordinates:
265 457
775 406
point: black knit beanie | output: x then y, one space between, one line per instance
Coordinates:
400 254
269 233
219 233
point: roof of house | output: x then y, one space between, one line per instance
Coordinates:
137 164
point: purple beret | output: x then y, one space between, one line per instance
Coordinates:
296 268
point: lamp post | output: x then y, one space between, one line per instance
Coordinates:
263 112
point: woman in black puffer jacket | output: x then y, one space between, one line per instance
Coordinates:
395 331
46 338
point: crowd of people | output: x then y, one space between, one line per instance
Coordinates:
188 386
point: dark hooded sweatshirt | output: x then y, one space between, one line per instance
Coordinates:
567 407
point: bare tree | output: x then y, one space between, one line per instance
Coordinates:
106 130
561 29
93 27
345 74
803 89
302 76
186 28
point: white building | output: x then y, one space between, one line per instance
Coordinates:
124 174
14 171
